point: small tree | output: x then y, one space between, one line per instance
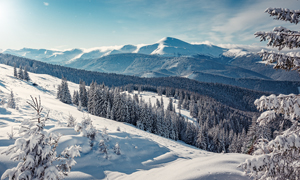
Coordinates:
117 149
279 158
15 70
20 73
11 103
26 75
75 99
71 121
36 150
63 92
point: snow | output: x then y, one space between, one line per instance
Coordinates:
142 155
235 53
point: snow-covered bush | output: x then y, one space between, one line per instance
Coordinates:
117 149
279 158
103 148
86 128
11 134
2 101
35 149
71 121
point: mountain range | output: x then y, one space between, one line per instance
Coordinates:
167 57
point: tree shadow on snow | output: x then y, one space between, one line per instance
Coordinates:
137 153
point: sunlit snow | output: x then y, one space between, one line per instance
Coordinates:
143 155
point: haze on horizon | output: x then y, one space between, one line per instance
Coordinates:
66 24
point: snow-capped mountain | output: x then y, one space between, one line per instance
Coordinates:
174 47
167 57
168 47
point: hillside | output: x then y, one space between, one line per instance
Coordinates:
235 97
143 155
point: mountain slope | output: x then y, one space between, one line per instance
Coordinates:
165 47
143 155
168 54
239 98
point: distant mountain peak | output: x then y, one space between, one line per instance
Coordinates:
171 41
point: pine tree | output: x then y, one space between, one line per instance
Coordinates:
91 97
83 94
59 92
279 158
15 70
20 73
36 150
63 92
26 75
117 149
170 105
71 121
75 98
11 103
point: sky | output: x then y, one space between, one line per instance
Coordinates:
66 24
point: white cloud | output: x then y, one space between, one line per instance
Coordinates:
241 25
46 3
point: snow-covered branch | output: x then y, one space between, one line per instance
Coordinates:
282 161
280 37
289 61
284 14
288 105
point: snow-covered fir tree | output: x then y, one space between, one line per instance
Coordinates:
83 94
71 121
63 93
20 73
11 102
15 70
279 158
117 149
87 128
75 98
170 105
25 74
35 149
91 98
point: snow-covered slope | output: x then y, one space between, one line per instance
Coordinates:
143 155
169 46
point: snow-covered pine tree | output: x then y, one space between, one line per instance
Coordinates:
59 92
71 121
11 102
87 128
64 95
117 149
279 158
91 97
35 149
103 148
170 105
15 70
75 98
26 75
20 73
83 94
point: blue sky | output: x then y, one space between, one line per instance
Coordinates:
64 24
